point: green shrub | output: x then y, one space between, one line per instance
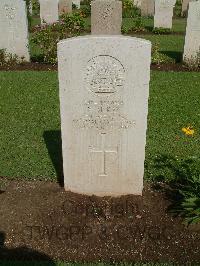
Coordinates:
138 25
86 2
86 10
36 7
183 180
161 31
158 58
8 59
129 10
178 9
47 37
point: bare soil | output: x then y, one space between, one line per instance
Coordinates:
39 220
48 67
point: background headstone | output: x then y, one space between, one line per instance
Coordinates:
65 6
185 5
106 17
137 3
104 88
49 11
147 8
164 13
77 3
14 28
192 38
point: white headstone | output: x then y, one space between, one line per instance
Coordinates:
192 38
104 88
137 3
49 11
164 13
14 28
106 17
147 8
185 4
65 6
77 3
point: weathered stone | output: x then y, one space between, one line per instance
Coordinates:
49 11
137 3
65 6
147 8
163 13
106 17
192 38
104 88
14 28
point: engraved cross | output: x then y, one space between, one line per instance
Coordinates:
104 152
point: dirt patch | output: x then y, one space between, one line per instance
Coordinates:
48 67
30 66
42 220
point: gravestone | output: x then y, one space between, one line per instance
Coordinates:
147 8
137 3
49 11
185 4
104 87
106 17
14 28
192 37
65 6
164 13
77 3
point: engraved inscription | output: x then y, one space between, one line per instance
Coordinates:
104 153
10 12
104 75
104 116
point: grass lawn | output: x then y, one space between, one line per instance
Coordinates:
179 24
30 132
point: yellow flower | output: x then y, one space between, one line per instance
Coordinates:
189 131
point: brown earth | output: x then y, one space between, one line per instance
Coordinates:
39 220
48 67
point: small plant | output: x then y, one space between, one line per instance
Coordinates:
182 177
86 11
36 7
47 36
158 58
178 9
129 10
137 26
8 59
161 31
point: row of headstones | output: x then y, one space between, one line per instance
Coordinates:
148 6
162 10
51 9
106 18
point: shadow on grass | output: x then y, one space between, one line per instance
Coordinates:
177 56
21 255
149 28
53 143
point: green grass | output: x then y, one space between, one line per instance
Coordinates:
179 24
170 45
30 119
